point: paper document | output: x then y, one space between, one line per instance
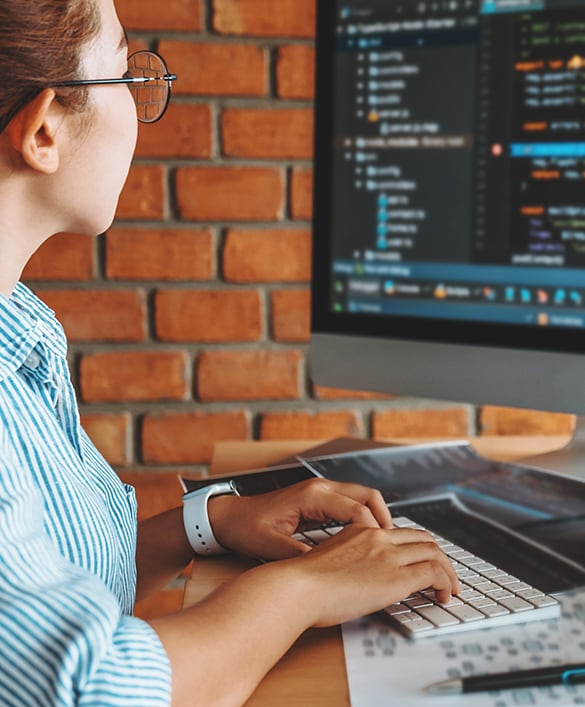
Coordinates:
384 668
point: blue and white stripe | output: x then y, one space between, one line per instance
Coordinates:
67 539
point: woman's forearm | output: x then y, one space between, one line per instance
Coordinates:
162 551
222 647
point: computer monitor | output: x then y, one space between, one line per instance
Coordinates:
449 201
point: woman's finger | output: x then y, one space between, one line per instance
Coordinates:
369 497
345 502
432 574
415 553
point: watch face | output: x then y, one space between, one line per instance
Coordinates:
208 490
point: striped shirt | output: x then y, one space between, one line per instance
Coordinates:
67 539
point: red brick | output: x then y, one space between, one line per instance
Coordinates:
301 194
261 18
295 72
267 256
291 315
514 421
143 196
111 434
92 315
63 257
182 15
447 422
230 193
284 133
307 425
188 438
157 254
134 376
208 315
156 491
185 131
249 375
217 69
322 392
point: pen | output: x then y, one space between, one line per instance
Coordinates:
536 677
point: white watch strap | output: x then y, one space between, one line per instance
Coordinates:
196 519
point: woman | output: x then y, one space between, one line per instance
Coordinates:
72 561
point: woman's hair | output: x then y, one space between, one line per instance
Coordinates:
40 44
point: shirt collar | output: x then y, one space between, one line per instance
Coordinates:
24 322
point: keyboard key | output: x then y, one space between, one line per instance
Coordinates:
405 617
453 601
466 613
528 593
481 602
505 579
516 604
395 609
494 574
543 600
491 588
498 594
468 594
418 602
334 530
420 626
437 616
494 610
472 579
518 586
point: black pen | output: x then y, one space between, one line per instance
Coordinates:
536 677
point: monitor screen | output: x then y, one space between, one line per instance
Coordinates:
449 222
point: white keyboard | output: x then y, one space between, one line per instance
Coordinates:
489 596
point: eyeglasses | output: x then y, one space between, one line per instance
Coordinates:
148 80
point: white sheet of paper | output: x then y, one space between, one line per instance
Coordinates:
384 668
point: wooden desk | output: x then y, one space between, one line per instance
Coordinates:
312 673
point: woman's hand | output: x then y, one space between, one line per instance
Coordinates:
363 570
262 526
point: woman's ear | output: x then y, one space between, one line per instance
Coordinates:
33 132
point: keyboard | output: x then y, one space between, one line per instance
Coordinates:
490 597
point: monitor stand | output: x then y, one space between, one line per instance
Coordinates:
569 459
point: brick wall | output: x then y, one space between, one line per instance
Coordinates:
189 319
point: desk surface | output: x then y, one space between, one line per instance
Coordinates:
312 673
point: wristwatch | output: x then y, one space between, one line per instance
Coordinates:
196 520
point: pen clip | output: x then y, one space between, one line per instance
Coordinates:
568 675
